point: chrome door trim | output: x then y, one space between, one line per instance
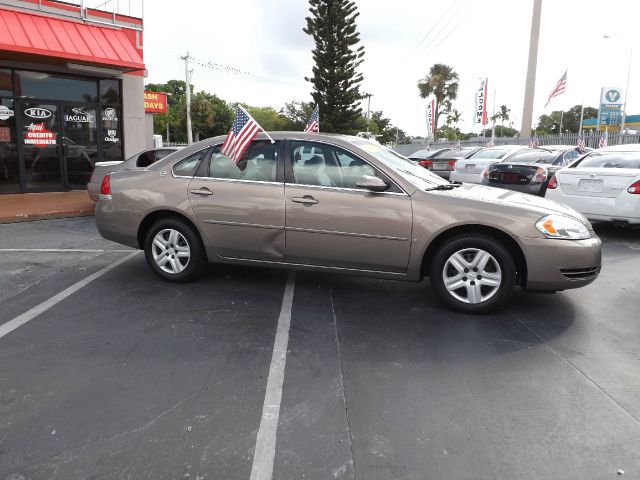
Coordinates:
346 234
236 180
344 189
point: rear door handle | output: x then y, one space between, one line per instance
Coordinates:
307 200
202 191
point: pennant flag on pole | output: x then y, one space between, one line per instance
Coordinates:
313 125
243 130
559 89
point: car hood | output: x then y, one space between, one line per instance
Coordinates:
532 203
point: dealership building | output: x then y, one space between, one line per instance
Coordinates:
71 92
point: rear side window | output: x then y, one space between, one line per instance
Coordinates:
187 166
611 160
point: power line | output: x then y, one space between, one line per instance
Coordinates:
435 25
453 29
443 28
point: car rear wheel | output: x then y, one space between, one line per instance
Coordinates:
473 273
174 251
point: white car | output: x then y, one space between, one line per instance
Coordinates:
604 185
474 168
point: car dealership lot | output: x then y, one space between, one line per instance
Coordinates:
130 377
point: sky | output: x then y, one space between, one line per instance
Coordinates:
264 40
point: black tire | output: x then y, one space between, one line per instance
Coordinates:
193 267
481 242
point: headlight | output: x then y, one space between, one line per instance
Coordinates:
559 226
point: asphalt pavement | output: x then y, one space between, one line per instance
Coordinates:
106 372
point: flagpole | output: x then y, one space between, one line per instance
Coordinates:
581 119
263 130
561 117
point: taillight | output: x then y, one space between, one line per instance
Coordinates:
426 164
105 187
553 183
452 164
540 176
485 173
635 188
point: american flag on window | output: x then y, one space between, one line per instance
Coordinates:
559 89
243 130
534 142
490 143
313 125
581 145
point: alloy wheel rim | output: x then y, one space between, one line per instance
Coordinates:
171 251
472 275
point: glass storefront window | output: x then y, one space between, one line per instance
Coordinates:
6 83
79 143
40 148
55 87
9 174
110 91
111 134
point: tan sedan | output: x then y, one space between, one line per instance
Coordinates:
334 203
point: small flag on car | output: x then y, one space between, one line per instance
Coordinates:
489 143
534 142
243 130
313 125
581 145
604 139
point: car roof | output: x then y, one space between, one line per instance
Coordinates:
628 147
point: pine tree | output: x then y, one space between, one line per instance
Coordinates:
336 84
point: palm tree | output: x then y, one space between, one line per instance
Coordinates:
454 117
503 115
442 82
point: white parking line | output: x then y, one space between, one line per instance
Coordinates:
264 453
20 320
57 250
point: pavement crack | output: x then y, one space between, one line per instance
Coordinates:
344 392
574 366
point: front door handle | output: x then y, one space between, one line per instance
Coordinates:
203 191
307 200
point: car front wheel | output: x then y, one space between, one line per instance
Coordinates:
473 273
174 251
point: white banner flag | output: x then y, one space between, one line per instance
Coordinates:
431 112
480 112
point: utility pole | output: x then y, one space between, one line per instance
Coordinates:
187 75
527 109
368 95
493 118
626 92
561 117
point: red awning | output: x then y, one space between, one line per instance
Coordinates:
54 37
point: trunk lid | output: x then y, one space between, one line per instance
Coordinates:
596 182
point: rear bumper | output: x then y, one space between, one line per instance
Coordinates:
533 188
465 177
561 264
117 227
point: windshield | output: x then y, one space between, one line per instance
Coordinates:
496 153
419 176
611 160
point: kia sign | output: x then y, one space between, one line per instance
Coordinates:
37 112
610 111
155 102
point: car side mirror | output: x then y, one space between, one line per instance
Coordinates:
369 182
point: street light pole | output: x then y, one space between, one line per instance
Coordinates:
527 109
626 92
368 95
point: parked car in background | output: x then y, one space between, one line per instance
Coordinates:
347 205
139 160
530 170
604 185
444 161
473 168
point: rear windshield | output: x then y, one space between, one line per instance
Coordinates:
422 154
611 160
532 157
496 153
457 154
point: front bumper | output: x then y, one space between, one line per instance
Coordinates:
554 264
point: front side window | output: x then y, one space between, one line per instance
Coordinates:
329 166
187 166
259 163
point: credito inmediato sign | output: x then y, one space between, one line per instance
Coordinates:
155 102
